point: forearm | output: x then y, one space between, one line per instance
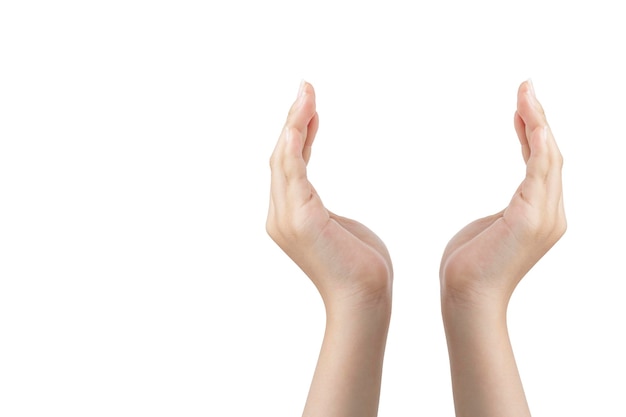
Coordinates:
485 378
349 370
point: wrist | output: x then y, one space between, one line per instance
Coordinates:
367 309
349 370
353 327
357 296
477 297
473 308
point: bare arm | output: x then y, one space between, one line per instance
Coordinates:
483 264
348 264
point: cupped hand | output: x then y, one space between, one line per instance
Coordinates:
345 260
489 257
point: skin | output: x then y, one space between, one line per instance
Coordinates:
480 269
484 262
347 262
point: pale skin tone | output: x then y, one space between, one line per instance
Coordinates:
349 265
352 270
484 262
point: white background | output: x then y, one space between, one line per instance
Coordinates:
136 276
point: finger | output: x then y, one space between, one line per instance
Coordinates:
529 109
311 132
294 167
554 180
543 183
303 109
520 128
300 114
534 188
288 164
532 115
298 141
543 166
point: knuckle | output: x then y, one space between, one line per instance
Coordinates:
559 160
274 164
540 109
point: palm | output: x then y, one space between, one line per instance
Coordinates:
486 250
344 254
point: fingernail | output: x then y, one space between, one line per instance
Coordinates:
301 89
531 88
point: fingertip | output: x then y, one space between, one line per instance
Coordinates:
307 96
303 109
301 88
526 88
306 87
306 92
529 108
530 87
525 98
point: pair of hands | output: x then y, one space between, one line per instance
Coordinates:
480 268
483 263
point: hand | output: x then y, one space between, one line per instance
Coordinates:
345 260
488 258
348 264
484 262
